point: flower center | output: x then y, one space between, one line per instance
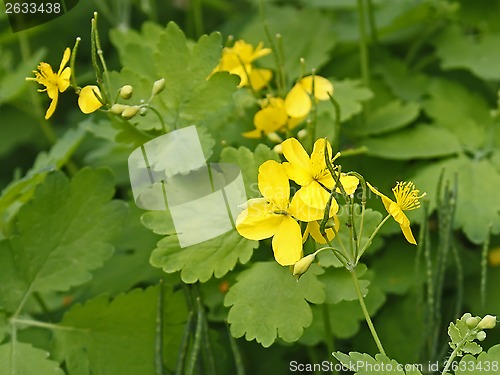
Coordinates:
407 196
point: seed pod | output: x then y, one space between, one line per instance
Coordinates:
158 86
126 92
303 265
130 111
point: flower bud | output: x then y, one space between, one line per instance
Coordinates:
481 335
158 86
472 322
303 265
488 322
273 137
143 111
117 109
126 92
278 149
130 111
302 134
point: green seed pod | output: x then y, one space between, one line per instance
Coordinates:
488 322
158 86
130 111
126 92
472 322
481 335
117 109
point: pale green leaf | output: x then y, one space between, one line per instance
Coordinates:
268 302
486 363
249 163
418 142
391 116
364 364
472 348
306 33
477 53
118 336
17 358
64 232
199 262
339 285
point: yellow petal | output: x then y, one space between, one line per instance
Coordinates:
273 183
259 78
322 87
65 59
314 230
63 81
52 107
287 242
299 167
87 100
270 119
257 223
304 212
318 162
408 234
350 184
297 102
253 134
260 51
313 195
385 200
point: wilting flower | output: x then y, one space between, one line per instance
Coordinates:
406 199
54 82
87 99
239 60
271 118
298 101
274 215
312 174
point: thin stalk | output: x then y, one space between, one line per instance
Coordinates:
163 126
159 332
371 21
314 113
365 312
197 12
105 92
184 344
238 360
195 350
51 326
207 351
336 133
373 235
277 60
431 326
330 343
460 280
484 269
72 64
363 48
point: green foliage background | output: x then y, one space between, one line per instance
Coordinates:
91 284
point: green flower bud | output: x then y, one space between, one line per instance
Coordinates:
158 86
466 316
273 137
472 321
130 111
303 265
481 335
143 111
117 109
488 322
126 92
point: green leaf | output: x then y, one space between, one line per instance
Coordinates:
17 358
477 53
278 311
421 141
118 336
16 128
364 364
477 205
63 232
199 262
20 191
249 163
472 348
340 286
485 363
468 121
391 116
350 95
306 33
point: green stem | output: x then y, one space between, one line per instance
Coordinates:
365 311
330 343
484 269
105 92
372 236
238 360
371 21
336 133
363 48
72 64
197 13
159 332
34 323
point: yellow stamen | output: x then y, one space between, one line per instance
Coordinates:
407 196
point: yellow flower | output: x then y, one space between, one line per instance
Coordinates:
54 83
273 215
87 100
313 229
298 101
239 60
406 199
312 174
271 118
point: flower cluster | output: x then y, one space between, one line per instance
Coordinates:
282 216
89 99
276 215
